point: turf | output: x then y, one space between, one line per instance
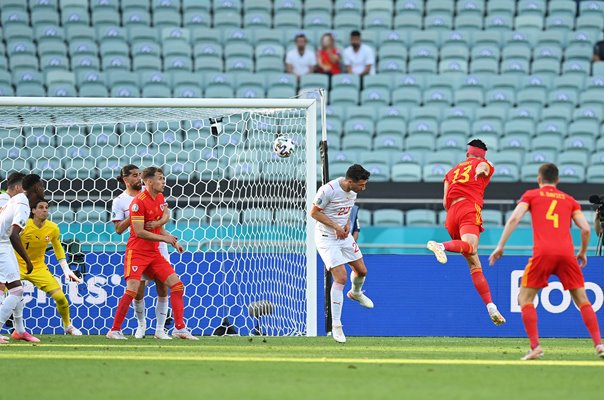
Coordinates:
299 368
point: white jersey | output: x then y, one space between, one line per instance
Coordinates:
14 212
120 210
335 203
4 198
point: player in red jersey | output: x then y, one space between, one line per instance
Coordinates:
463 198
553 253
143 255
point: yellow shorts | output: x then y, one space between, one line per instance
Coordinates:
41 278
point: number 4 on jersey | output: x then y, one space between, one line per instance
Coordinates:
550 213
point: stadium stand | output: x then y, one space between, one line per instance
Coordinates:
518 74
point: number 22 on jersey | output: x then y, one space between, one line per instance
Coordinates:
550 213
465 175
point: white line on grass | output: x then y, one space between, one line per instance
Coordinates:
322 360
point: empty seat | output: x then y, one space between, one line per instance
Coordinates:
421 218
388 217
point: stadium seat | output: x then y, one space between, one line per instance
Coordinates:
420 218
595 173
388 218
435 172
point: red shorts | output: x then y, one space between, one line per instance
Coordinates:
152 264
464 217
540 268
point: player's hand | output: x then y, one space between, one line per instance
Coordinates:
170 240
341 233
179 248
582 259
347 227
29 267
71 277
150 225
495 255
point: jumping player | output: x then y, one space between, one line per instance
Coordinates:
130 176
37 235
143 256
13 217
331 209
463 198
553 253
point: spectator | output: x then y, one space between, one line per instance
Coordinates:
598 51
328 56
355 226
359 58
299 61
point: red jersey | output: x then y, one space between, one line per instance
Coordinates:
551 213
463 184
145 208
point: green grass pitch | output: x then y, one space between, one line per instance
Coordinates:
299 368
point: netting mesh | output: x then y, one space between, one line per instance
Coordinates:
238 208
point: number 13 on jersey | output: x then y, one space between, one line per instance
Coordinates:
465 175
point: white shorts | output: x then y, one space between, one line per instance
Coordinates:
9 267
335 252
164 252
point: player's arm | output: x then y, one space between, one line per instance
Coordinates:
509 228
597 225
121 226
318 214
483 170
150 225
60 254
445 190
583 225
138 225
179 248
15 240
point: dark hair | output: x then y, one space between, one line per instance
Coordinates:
125 171
31 180
599 50
34 205
478 143
300 35
357 173
355 34
150 172
548 173
14 179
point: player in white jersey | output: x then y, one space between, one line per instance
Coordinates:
130 176
335 244
13 217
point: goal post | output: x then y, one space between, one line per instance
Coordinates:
240 210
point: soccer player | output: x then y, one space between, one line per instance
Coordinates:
553 253
463 197
13 217
355 226
331 209
143 256
37 235
130 176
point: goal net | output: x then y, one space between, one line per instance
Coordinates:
238 208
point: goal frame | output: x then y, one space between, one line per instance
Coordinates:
228 103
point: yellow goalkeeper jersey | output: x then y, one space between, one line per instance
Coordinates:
36 241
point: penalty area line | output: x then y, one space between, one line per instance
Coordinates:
321 360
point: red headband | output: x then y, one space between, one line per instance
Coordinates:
477 151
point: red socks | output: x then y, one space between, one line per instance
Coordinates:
529 318
481 285
591 322
458 246
178 304
122 309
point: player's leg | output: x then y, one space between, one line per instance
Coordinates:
338 274
357 277
526 299
589 318
3 339
163 271
161 310
139 309
132 285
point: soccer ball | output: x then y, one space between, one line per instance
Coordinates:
283 146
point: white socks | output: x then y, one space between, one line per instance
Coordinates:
161 313
14 297
357 283
139 312
337 301
18 317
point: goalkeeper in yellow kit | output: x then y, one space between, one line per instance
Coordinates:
37 235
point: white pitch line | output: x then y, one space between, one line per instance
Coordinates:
323 360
